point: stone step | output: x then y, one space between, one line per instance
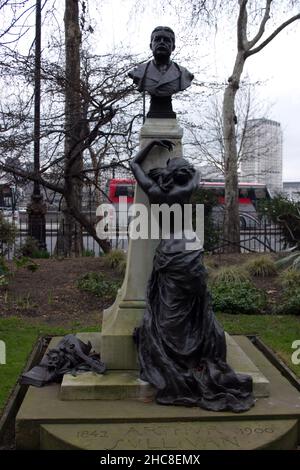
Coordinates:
239 360
43 407
125 384
245 435
113 385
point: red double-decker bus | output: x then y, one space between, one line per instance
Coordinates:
117 187
249 193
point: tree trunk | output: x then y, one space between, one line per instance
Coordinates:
70 242
231 217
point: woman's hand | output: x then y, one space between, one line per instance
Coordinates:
165 143
142 154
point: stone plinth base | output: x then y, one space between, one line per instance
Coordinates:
44 421
245 435
119 321
113 385
121 384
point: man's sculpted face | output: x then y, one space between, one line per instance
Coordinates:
162 44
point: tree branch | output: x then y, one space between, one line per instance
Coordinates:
31 177
261 29
242 26
272 36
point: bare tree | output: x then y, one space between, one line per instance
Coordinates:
246 47
205 132
15 14
102 129
257 24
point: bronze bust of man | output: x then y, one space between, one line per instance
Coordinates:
161 77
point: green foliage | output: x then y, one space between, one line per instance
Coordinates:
3 266
210 200
286 212
88 253
277 331
30 249
20 336
25 302
290 279
8 233
116 259
290 301
262 266
97 284
4 272
289 261
240 297
229 274
205 196
27 263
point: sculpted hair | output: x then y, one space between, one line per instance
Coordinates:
166 29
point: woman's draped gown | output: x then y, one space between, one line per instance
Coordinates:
181 346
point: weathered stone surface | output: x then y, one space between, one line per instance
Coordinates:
239 435
114 385
121 384
241 362
119 321
42 406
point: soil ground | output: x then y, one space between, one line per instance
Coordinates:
50 294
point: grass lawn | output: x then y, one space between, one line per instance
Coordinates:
20 337
278 332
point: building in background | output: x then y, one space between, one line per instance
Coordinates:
261 160
210 173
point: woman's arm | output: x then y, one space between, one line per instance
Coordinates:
142 178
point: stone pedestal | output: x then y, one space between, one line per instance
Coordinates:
117 347
126 384
73 416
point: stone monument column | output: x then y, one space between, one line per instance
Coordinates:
161 78
118 350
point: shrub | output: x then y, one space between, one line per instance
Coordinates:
288 261
283 210
290 303
116 259
290 279
240 297
30 249
88 253
4 272
27 263
97 284
229 274
262 266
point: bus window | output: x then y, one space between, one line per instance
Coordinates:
220 192
243 193
260 193
124 190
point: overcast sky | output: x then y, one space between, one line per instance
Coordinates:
122 24
277 66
